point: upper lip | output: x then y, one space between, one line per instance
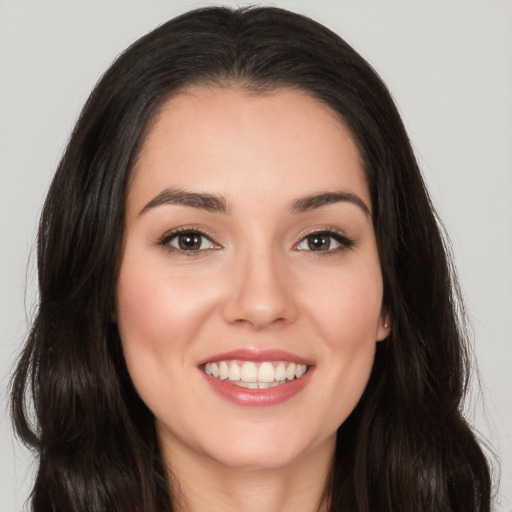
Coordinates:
257 356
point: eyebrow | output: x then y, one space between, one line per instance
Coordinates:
218 204
209 202
314 201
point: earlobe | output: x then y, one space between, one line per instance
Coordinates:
384 327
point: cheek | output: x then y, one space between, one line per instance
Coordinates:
347 314
155 308
347 307
158 318
142 324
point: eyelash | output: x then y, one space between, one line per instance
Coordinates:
344 241
168 237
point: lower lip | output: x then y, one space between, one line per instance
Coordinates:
258 397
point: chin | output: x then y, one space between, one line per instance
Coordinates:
258 459
259 450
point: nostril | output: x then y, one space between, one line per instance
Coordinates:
259 323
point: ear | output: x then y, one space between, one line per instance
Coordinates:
384 326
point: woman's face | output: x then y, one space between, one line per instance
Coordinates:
249 299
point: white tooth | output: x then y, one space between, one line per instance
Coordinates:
249 372
290 371
208 368
280 372
215 370
249 385
223 370
266 373
234 372
301 370
265 385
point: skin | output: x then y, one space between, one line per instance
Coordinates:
257 284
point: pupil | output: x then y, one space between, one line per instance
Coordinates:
189 241
319 242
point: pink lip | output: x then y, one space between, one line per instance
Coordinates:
258 356
257 397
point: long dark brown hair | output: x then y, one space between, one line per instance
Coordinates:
405 448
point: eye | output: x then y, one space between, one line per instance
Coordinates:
324 241
188 241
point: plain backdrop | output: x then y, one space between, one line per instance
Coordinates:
447 63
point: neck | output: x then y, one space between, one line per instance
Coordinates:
201 484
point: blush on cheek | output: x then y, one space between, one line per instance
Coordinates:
139 309
355 318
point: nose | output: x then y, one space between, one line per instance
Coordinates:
260 292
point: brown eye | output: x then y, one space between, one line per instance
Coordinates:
319 242
325 241
190 241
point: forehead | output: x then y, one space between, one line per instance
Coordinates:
242 144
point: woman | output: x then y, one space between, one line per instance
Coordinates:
245 302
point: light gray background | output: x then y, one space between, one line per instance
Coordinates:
449 66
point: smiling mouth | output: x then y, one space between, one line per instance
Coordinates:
252 375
